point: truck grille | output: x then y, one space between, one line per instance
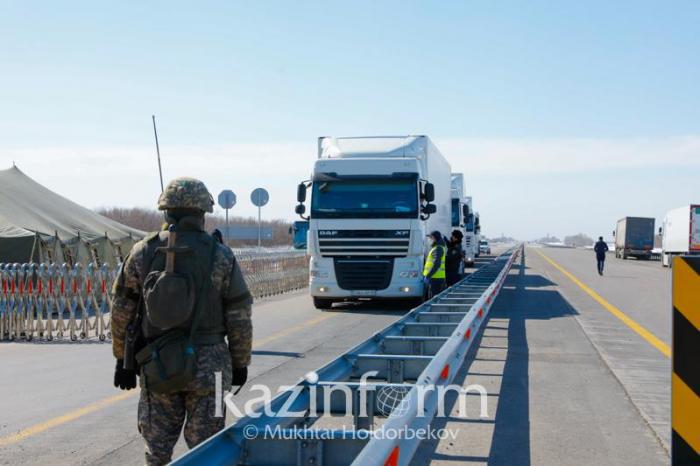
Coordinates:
363 274
350 243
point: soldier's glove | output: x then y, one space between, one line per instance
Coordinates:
239 378
124 378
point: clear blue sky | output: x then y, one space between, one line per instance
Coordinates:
84 77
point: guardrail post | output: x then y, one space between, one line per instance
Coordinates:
685 385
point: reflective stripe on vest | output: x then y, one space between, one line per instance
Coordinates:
440 272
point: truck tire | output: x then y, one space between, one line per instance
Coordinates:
322 303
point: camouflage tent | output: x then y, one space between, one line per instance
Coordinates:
38 225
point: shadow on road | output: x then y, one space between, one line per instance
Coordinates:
377 307
524 301
521 299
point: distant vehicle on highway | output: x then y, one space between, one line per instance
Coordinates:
299 232
460 214
680 233
634 237
477 231
471 246
484 247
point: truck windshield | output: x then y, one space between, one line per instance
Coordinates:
470 222
365 198
455 212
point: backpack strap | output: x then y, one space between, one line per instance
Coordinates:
205 284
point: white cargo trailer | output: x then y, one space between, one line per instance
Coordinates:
471 243
373 201
680 233
460 211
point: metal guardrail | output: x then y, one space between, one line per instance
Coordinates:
54 302
424 348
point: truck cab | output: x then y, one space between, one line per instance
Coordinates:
373 201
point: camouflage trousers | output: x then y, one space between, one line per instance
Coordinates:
161 417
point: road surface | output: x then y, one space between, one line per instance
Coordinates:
568 381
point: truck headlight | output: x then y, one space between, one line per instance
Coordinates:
318 274
409 274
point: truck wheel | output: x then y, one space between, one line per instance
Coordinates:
323 303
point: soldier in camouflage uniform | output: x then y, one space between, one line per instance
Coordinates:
161 416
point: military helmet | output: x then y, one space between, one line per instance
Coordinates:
186 193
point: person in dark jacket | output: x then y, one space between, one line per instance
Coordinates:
455 257
434 269
600 248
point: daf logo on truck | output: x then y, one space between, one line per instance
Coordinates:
373 201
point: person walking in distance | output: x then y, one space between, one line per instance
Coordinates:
434 269
600 248
181 320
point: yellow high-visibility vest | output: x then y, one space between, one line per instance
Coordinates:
440 272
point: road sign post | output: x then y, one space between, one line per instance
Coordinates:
259 197
227 199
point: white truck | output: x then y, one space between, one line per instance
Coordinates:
680 233
477 233
373 201
471 243
460 212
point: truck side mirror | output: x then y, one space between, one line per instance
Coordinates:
661 230
429 209
429 192
465 211
300 209
613 233
301 193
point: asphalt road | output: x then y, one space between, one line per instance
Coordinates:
564 377
568 382
58 405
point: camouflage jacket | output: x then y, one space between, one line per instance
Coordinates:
226 277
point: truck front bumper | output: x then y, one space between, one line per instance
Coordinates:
406 281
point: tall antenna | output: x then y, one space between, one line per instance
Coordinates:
160 168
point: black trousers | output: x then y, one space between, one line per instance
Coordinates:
601 263
436 287
453 277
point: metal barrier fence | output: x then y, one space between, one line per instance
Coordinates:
422 350
54 302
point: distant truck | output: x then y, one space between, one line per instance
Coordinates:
299 232
471 244
680 233
460 213
373 201
477 233
634 237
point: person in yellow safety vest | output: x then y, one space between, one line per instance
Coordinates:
434 269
